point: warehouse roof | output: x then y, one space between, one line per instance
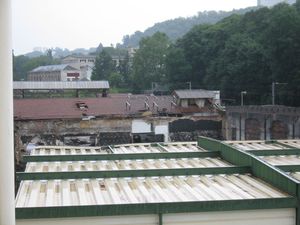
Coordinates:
142 190
126 179
51 85
122 105
52 68
282 154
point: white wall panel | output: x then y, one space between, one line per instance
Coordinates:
245 217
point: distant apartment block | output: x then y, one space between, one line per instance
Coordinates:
54 73
84 63
270 3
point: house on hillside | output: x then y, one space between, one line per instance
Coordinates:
62 72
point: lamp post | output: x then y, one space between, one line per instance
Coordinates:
190 85
273 91
242 97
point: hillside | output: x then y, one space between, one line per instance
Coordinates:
178 27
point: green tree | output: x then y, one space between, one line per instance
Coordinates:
104 66
178 69
115 79
23 64
125 70
149 63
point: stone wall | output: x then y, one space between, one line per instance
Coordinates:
261 122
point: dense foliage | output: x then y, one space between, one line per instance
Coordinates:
243 52
23 64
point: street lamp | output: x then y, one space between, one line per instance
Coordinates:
273 91
242 97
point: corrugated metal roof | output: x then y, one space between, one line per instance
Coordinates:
255 145
47 85
142 190
282 160
194 94
137 189
118 149
141 164
52 68
292 143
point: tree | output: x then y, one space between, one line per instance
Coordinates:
104 66
23 64
178 69
115 79
125 70
149 61
243 52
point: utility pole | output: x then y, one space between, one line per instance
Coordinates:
273 91
242 97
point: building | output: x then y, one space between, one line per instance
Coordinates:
115 119
84 63
263 122
62 72
270 3
209 182
198 98
22 87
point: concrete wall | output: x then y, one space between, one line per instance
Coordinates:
249 217
261 122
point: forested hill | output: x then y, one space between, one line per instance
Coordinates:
178 27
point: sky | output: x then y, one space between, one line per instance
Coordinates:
86 23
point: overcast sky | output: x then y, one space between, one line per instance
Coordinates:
85 23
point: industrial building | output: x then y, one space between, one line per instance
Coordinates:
204 182
62 72
115 119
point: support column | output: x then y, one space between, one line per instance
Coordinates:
268 128
7 197
243 126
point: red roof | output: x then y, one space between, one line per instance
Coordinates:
114 105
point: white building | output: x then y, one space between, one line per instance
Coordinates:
270 3
197 97
84 63
62 72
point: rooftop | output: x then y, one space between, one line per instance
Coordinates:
282 154
196 93
122 105
144 178
52 68
49 85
